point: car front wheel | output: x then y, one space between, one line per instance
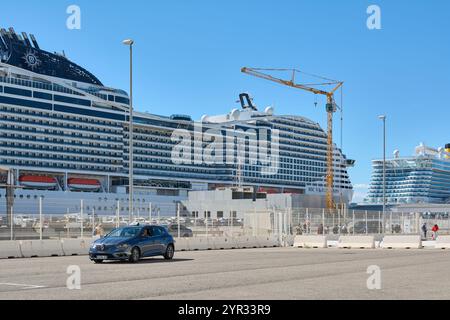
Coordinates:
169 252
135 255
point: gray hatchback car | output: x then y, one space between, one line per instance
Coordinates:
133 243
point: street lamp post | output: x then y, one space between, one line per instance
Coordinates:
130 42
383 118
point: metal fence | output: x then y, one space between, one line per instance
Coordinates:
275 222
322 221
82 220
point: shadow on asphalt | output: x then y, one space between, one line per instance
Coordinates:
150 260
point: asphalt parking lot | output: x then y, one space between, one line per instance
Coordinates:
271 273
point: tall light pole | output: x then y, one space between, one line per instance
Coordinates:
383 118
130 42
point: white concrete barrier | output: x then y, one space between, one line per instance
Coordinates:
253 242
402 242
220 243
10 249
182 244
310 241
69 247
74 247
200 243
234 241
288 241
267 242
356 242
26 248
244 242
48 248
442 242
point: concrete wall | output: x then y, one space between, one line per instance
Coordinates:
221 200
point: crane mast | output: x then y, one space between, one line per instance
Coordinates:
330 109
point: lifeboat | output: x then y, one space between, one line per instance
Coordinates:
38 182
293 191
83 184
269 190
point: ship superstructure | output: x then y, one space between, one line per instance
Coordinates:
421 178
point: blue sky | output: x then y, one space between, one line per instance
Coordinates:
188 56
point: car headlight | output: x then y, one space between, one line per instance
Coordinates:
122 246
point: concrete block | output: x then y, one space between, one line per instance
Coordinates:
220 243
48 248
26 248
442 242
402 242
356 242
310 241
200 243
267 241
73 247
182 244
244 242
10 249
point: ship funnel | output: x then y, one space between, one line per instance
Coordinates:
447 151
396 154
269 110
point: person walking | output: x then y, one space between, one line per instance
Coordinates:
424 230
435 230
336 229
320 229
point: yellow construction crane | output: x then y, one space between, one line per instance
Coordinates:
330 109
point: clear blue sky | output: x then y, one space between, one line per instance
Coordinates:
188 56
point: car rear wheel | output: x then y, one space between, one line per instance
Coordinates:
98 260
135 255
170 250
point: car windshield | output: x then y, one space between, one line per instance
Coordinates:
127 232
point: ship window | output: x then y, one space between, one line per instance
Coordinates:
26 103
42 95
122 100
17 91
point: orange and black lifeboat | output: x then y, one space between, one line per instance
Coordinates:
38 182
83 184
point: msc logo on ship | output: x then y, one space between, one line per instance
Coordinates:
31 60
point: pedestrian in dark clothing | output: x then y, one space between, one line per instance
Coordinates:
336 229
320 229
424 230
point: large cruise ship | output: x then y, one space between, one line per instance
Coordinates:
65 136
421 178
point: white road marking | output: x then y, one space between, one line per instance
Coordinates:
25 286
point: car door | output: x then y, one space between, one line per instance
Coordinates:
157 235
146 242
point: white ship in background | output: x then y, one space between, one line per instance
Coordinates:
65 135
